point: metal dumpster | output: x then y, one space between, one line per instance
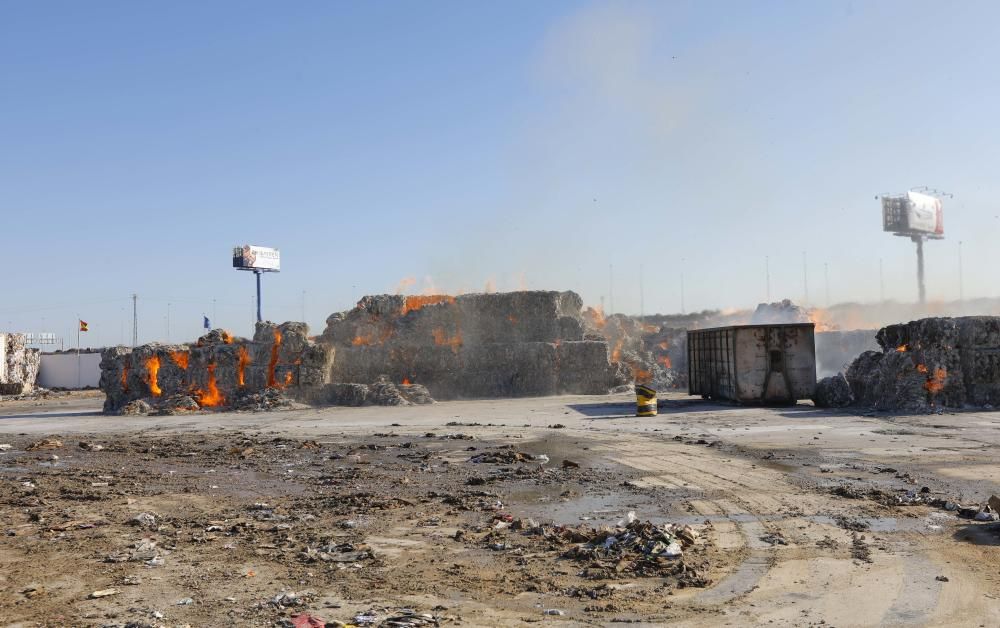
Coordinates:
753 364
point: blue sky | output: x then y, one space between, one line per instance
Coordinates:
460 144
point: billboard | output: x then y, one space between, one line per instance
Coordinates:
251 257
913 214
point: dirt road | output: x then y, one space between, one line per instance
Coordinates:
409 516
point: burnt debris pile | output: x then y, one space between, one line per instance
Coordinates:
219 371
473 345
929 363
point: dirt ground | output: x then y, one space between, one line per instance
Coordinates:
500 512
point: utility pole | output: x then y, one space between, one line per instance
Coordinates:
78 350
135 320
921 290
767 277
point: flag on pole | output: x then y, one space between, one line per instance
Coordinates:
83 325
206 324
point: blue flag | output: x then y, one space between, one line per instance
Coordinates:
206 324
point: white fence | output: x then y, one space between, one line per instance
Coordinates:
63 370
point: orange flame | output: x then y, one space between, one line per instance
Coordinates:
242 365
616 353
406 381
416 302
935 383
641 376
664 360
288 378
227 337
212 397
595 316
441 338
921 368
180 358
664 345
274 359
901 348
153 366
125 374
821 319
365 340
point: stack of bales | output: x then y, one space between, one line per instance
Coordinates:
474 345
217 370
931 362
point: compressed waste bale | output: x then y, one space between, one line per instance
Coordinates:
510 370
979 339
341 394
833 392
901 385
415 394
115 363
577 375
22 364
385 393
863 376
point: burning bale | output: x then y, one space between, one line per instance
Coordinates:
472 345
217 371
18 365
931 362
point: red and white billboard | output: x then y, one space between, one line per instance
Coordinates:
913 214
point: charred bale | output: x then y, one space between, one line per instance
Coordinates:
833 392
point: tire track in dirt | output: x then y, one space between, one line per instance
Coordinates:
787 584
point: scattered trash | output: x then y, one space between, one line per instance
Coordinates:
103 593
145 520
983 515
774 538
48 443
6 446
942 579
305 620
569 464
90 446
184 602
503 455
554 611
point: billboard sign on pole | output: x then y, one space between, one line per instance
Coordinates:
914 214
252 257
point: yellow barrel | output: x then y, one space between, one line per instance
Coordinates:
645 401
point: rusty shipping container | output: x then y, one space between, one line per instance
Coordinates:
753 364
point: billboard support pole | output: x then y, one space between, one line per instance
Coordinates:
258 273
920 269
